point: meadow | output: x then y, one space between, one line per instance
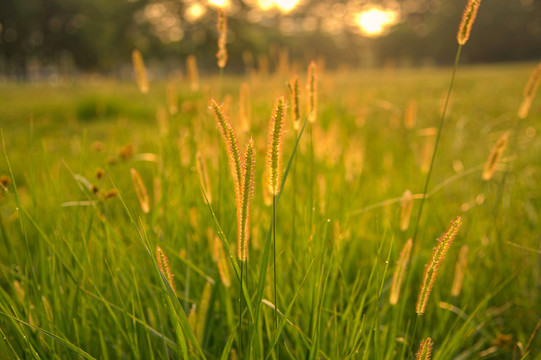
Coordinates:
118 218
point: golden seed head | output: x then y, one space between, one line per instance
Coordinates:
140 71
311 87
222 39
274 146
431 269
231 144
110 194
192 72
247 194
529 92
460 268
405 212
245 107
494 156
5 180
425 350
295 109
470 12
398 276
126 152
172 98
163 264
140 190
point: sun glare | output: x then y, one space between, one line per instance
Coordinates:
220 3
195 11
282 5
374 21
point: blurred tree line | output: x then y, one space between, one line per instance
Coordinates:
99 35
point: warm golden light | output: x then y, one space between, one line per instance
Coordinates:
282 5
286 5
374 21
195 11
220 3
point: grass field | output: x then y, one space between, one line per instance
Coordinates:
78 273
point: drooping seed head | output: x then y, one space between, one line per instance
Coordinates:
425 350
222 39
311 87
140 71
247 194
163 264
231 145
398 276
470 12
494 156
140 190
529 92
431 269
274 146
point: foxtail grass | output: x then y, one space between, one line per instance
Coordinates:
425 350
431 269
192 72
494 156
463 35
140 190
163 264
172 98
245 106
140 71
460 269
221 55
398 276
406 204
274 174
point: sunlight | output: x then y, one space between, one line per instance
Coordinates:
374 21
195 11
220 3
282 5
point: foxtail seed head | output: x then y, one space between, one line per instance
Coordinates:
140 71
398 276
247 194
274 146
494 156
193 72
431 269
529 92
405 210
222 39
295 110
231 145
460 268
245 107
470 12
140 190
163 264
311 87
425 350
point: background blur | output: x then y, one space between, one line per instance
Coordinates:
41 38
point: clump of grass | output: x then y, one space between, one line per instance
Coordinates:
140 71
431 269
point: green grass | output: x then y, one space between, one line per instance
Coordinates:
81 279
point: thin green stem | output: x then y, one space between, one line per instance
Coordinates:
240 308
442 121
274 259
311 194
